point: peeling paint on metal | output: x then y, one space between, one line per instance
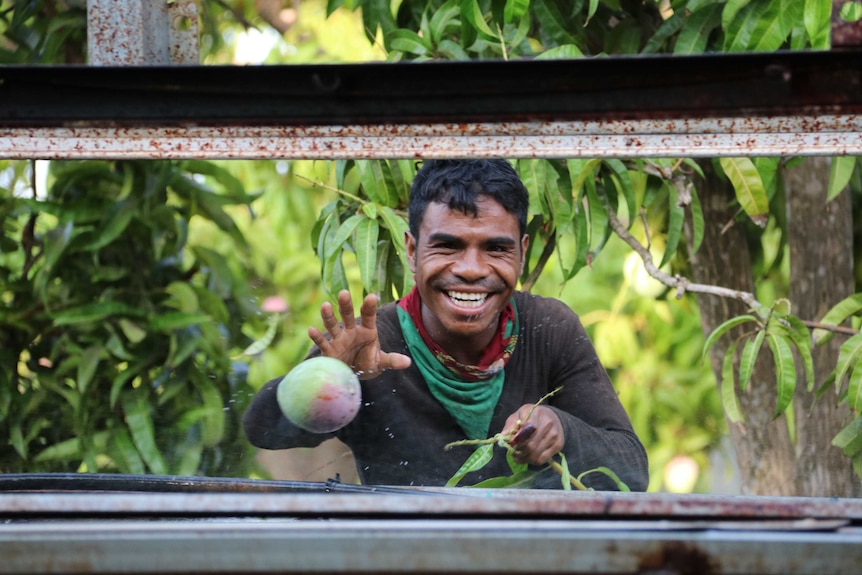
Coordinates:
781 136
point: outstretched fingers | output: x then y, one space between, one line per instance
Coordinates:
345 309
368 312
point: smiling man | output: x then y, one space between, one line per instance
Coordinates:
465 355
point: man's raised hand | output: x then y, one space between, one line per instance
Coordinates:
355 342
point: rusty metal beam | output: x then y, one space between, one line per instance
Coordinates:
800 103
248 545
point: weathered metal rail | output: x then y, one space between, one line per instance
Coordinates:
252 527
796 103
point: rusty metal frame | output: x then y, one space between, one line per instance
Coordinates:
795 103
739 105
425 531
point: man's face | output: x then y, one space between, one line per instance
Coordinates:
466 269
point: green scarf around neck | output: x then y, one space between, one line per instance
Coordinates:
471 403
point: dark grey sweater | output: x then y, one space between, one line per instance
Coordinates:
399 434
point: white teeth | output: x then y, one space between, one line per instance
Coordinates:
464 299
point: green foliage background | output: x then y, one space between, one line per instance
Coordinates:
131 291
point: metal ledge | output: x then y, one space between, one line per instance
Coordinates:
415 546
792 103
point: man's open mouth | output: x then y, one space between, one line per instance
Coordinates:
465 299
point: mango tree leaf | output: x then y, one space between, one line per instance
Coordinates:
116 224
515 10
477 460
698 224
771 30
336 244
840 171
722 329
854 389
132 330
265 341
817 18
221 278
564 52
598 217
730 10
728 387
550 20
520 480
443 16
377 14
93 313
737 34
400 174
55 243
174 320
583 244
801 337
87 366
749 357
231 184
190 458
124 454
623 181
580 171
397 227
667 29
365 245
559 201
849 439
621 485
837 315
471 12
785 371
124 377
70 449
851 11
676 218
16 439
408 41
532 174
140 424
213 415
565 475
694 35
749 188
451 50
848 357
183 343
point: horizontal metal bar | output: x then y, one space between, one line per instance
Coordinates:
785 103
777 136
613 88
414 546
458 502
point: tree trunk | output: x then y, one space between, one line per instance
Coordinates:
763 447
820 238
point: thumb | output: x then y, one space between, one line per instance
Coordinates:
394 361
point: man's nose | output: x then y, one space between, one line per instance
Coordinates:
470 265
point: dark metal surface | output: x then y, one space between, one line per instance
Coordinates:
248 545
128 495
740 85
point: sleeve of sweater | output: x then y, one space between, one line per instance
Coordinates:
598 431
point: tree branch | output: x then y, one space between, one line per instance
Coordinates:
679 283
833 328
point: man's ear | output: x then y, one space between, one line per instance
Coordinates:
410 244
525 243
